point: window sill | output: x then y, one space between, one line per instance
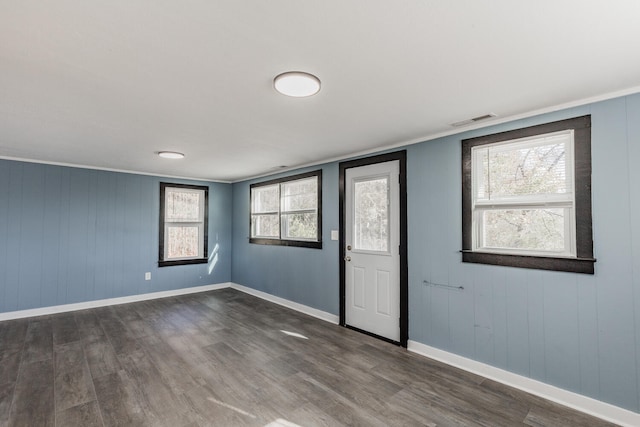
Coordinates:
573 265
182 262
279 242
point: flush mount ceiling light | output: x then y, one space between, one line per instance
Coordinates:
170 155
297 84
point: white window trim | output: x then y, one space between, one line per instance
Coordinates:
201 257
283 212
263 213
199 224
564 201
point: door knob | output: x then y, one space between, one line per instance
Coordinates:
347 258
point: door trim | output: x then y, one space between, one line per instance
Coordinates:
401 156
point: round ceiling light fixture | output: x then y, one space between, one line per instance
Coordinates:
170 155
297 84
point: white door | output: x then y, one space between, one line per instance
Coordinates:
372 249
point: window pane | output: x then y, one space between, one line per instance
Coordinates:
371 215
300 195
265 226
531 229
482 178
529 167
182 241
182 206
265 199
300 226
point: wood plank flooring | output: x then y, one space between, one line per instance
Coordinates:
225 358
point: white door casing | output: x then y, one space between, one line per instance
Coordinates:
372 255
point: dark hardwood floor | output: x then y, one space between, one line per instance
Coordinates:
225 358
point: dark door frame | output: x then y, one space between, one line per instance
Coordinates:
401 156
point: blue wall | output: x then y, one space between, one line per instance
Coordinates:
69 235
578 332
574 331
307 276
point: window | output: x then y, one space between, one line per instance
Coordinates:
288 211
527 197
183 224
371 214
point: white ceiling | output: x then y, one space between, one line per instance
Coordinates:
107 84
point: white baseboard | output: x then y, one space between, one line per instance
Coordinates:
109 301
576 401
314 312
43 311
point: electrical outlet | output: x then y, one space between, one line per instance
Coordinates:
147 275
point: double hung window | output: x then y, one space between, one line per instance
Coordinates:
527 199
183 224
288 211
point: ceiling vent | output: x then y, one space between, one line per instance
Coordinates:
474 120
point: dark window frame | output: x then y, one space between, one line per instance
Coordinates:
166 263
584 261
314 244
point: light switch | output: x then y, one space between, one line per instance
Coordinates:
335 235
